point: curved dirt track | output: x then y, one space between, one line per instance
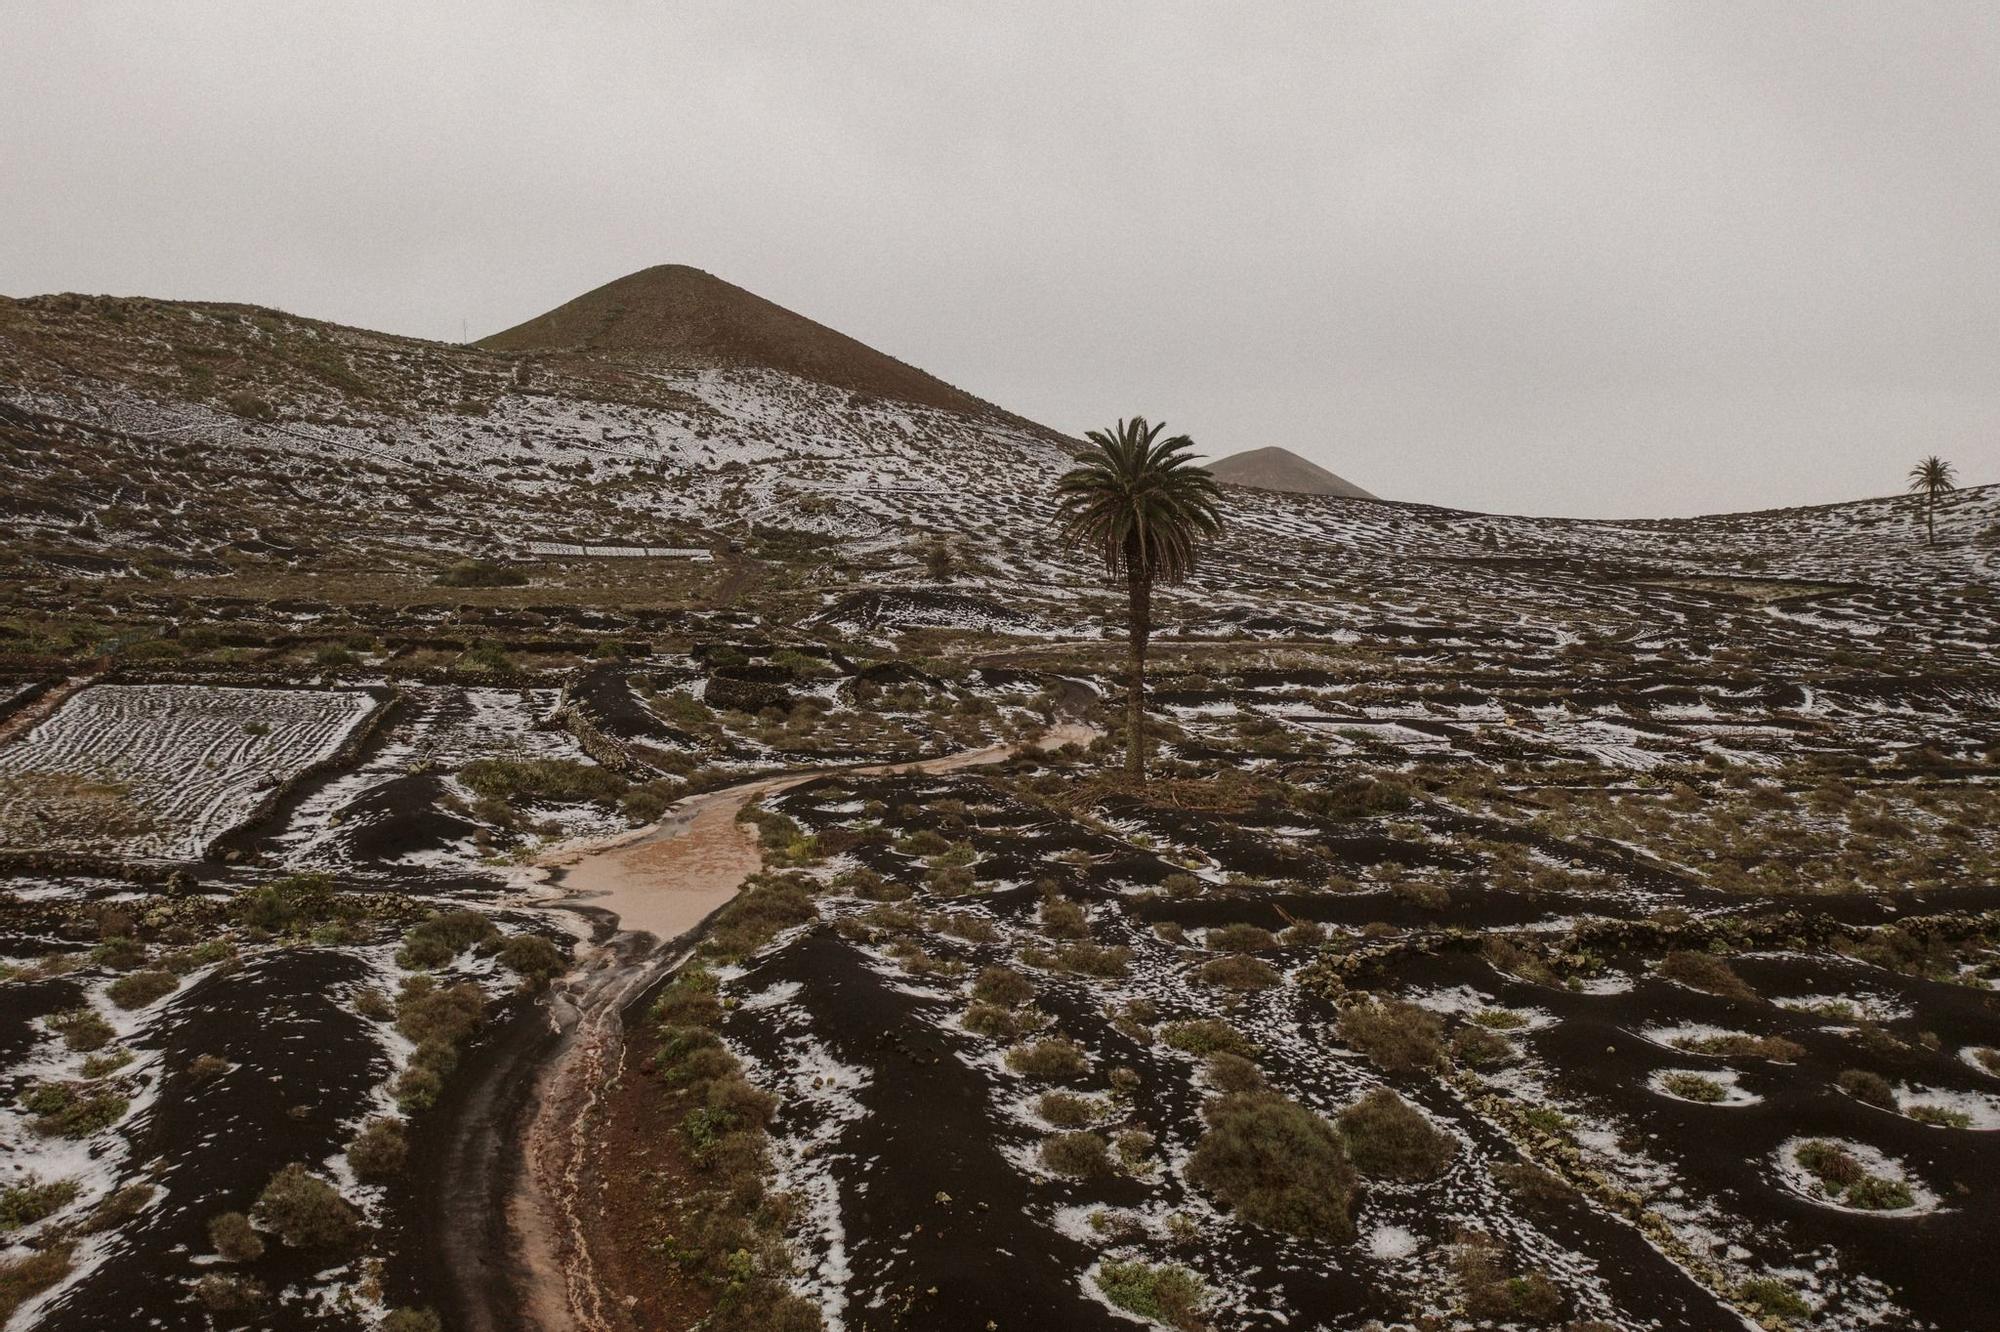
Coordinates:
520 1161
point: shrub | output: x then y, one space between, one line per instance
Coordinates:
379 1150
1772 1296
119 1208
23 1278
1694 1087
1873 1193
1834 1165
138 988
1106 962
1398 1037
559 781
441 936
480 573
306 1212
30 1201
1871 1088
1241 938
72 1110
533 958
1275 1163
222 1293
1738 1045
1476 1047
374 1005
235 1238
1228 1072
1705 971
1082 1155
1068 1111
1166 1294
1064 919
1386 1136
82 1028
1204 1036
1239 972
1003 986
426 1014
765 906
290 904
1493 1296
995 1022
1055 1059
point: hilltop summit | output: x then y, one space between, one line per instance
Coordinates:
1281 469
682 315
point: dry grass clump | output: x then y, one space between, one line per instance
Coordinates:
1742 1045
1053 1059
438 1020
1003 986
1064 919
230 1296
1068 1111
23 1278
138 988
306 1212
1493 1296
1275 1163
1204 1036
1477 1047
1387 1137
1081 1155
1869 1088
534 959
1705 971
439 938
1397 1036
1240 938
81 1028
767 905
1239 971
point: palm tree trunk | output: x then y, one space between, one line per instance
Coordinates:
1930 518
1140 589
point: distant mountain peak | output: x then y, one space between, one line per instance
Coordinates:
1280 469
676 314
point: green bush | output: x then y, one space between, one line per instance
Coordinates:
533 958
30 1201
1080 1155
1166 1294
82 1028
440 937
1872 1088
71 1109
1203 1036
306 1212
1228 1072
138 988
1276 1164
1387 1137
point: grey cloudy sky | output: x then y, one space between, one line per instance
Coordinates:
1594 258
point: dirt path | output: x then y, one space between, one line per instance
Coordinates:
661 881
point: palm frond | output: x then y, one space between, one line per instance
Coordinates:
1139 501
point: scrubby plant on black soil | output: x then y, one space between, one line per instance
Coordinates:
1082 1155
1695 1087
232 1236
1054 1059
117 1208
306 1212
1064 919
1398 1037
1491 1294
1003 986
1239 971
225 1294
1846 1179
1871 1088
379 1150
412 1320
1477 1047
1275 1163
294 904
23 1278
558 781
1103 961
1240 938
1067 1110
1705 971
82 1028
72 1109
1769 1295
25 1203
1740 1045
1206 1036
1166 1294
534 959
767 904
717 1220
1226 1072
1387 1137
441 936
438 1020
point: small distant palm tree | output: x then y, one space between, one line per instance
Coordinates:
1932 478
1143 506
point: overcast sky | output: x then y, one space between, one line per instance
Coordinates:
1595 258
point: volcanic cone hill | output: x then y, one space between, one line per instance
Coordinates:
1281 469
679 315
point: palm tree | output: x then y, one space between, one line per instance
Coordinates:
1932 478
1142 505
